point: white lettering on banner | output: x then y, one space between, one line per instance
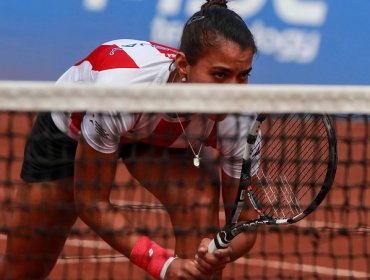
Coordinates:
288 45
297 43
312 13
305 12
247 9
169 8
192 6
95 5
166 31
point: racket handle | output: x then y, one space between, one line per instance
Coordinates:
217 243
212 246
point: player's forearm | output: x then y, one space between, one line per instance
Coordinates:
109 224
113 228
242 244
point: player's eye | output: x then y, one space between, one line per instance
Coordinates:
219 75
245 75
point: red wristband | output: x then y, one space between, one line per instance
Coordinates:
150 256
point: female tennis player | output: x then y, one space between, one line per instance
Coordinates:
71 158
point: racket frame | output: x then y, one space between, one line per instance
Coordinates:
231 229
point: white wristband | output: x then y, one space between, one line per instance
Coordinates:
165 267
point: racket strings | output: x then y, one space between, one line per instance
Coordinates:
280 147
288 194
312 166
302 180
315 174
277 148
309 163
293 198
294 164
285 154
268 196
288 157
278 207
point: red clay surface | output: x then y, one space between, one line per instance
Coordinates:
333 243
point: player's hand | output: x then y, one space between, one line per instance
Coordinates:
184 269
211 262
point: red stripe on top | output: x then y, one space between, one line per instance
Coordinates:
166 133
108 57
169 52
75 122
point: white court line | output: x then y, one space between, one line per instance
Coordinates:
302 224
305 268
322 270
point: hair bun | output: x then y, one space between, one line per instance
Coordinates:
219 3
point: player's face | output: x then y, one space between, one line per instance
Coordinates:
226 64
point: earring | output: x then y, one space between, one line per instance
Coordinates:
183 79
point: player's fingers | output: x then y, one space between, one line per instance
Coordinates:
185 269
203 246
202 251
223 253
197 272
206 268
201 268
202 265
210 262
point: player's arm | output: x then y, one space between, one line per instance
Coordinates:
94 178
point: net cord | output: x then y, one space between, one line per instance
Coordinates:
205 98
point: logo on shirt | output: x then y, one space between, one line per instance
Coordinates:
114 50
127 46
99 129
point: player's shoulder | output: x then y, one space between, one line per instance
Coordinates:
128 53
130 43
140 47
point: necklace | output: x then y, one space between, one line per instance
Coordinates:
197 158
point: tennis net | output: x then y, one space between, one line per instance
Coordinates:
332 243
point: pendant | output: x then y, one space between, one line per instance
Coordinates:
196 161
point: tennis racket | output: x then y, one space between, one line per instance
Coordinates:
286 173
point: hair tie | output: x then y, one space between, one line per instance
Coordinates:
195 18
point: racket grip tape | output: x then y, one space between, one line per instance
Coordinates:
217 243
212 246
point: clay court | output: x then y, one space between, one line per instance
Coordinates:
333 243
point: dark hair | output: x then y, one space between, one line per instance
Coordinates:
202 30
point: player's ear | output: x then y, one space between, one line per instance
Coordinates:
181 64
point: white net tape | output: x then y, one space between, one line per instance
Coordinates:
206 98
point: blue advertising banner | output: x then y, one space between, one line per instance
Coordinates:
299 41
